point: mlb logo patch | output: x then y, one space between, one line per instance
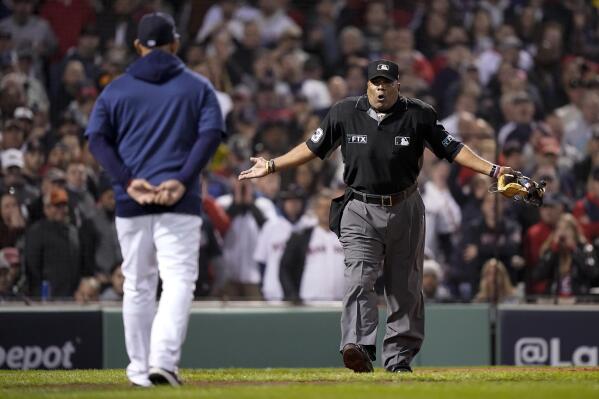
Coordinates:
357 139
402 141
447 140
382 67
318 133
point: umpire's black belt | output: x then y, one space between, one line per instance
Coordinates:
384 200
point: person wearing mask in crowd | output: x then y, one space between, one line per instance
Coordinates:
273 237
567 261
80 198
312 264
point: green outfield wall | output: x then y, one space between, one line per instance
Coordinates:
304 337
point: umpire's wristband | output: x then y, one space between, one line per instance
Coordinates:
495 169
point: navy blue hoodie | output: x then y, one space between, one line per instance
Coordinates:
146 124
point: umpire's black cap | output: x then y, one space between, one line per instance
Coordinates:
384 68
156 29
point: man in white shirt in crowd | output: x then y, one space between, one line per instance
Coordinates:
274 236
312 266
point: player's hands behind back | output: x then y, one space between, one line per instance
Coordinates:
167 193
141 191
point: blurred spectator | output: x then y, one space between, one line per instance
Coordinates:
118 25
550 213
582 169
79 14
115 291
443 215
12 94
210 266
248 214
12 222
85 50
231 15
27 29
352 51
376 20
274 235
484 238
568 261
13 135
312 265
518 110
432 282
99 244
13 180
578 131
482 31
52 250
33 159
586 210
10 270
274 21
53 179
80 199
73 77
495 285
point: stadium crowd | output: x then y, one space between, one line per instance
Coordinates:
516 80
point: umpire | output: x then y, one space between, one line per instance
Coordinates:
380 219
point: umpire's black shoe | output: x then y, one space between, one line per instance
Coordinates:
160 376
356 358
400 368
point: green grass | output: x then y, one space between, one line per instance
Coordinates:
439 383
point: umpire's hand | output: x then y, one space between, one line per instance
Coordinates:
258 170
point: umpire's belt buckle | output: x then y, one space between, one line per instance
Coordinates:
386 200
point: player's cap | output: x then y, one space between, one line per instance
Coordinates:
156 29
383 68
11 158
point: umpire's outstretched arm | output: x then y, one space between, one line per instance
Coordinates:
298 155
466 157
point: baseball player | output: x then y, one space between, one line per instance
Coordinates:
381 216
153 130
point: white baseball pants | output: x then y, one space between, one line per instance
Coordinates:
167 244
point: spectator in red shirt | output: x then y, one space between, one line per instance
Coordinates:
586 210
537 234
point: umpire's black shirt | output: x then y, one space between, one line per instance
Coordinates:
382 157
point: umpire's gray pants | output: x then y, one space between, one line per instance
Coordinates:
372 234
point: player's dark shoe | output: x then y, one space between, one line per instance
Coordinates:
356 358
160 376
